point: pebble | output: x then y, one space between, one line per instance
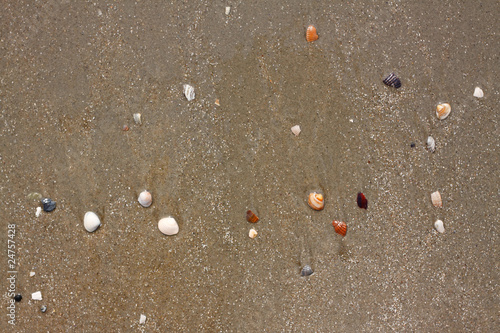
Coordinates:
43 308
168 226
91 221
439 226
38 211
412 144
37 296
478 92
18 298
48 204
142 320
306 271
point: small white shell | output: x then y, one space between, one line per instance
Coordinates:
443 110
32 274
37 296
189 92
252 233
38 211
228 10
91 221
478 92
145 199
431 144
439 226
168 226
436 199
142 320
296 130
137 118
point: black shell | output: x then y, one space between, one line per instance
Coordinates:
306 271
48 204
18 298
392 80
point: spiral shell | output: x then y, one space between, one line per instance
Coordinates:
392 80
340 227
316 201
145 199
311 34
443 110
436 199
251 217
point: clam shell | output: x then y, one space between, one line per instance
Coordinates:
168 226
252 233
436 199
478 92
137 118
296 130
392 80
251 217
145 199
431 144
316 201
189 92
91 221
311 34
340 227
306 271
142 319
438 225
443 110
362 201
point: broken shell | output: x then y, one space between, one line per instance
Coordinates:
142 319
228 10
436 199
439 226
189 92
362 201
48 204
168 226
311 34
306 271
251 217
392 80
252 233
38 211
137 118
443 110
43 308
316 201
37 296
217 102
431 144
91 221
340 227
145 199
296 130
478 92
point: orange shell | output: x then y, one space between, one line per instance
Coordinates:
340 227
316 201
251 217
311 34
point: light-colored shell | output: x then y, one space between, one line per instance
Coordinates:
316 201
168 226
37 296
443 110
228 10
145 199
296 130
436 199
252 233
137 118
38 211
311 34
306 271
142 319
478 92
439 226
189 92
91 221
431 144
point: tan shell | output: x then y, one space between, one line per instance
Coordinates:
311 34
316 201
436 199
252 233
296 130
251 217
443 110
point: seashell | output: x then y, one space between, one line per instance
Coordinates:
252 233
436 199
316 201
392 80
228 10
311 34
137 118
443 110
340 227
37 296
38 211
125 128
439 226
217 102
91 221
296 130
478 92
251 217
362 201
145 199
306 271
48 204
142 319
431 144
43 308
168 226
189 92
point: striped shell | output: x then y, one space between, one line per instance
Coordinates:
311 34
340 227
316 201
251 217
436 199
392 80
443 110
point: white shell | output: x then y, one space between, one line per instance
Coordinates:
436 199
32 274
228 10
439 226
431 144
443 110
189 92
37 296
296 130
142 320
38 211
91 221
252 233
137 118
145 199
168 226
478 92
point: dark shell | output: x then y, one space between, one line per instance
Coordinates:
43 308
18 298
48 204
362 201
392 80
251 217
306 271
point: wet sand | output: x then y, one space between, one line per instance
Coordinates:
73 74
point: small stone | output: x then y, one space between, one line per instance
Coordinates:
38 211
252 233
439 226
48 204
18 298
412 144
168 226
478 92
43 308
142 320
306 271
32 274
37 296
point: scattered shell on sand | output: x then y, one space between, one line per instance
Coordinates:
189 92
137 118
431 144
168 226
392 80
340 227
228 10
43 308
439 226
436 199
311 34
296 130
142 319
316 201
252 233
217 102
443 110
145 199
32 274
362 201
37 296
306 271
478 92
48 204
251 217
38 211
91 221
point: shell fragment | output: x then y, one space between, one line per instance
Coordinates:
478 92
431 144
438 225
189 92
37 296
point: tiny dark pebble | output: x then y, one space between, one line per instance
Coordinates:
18 298
43 308
48 204
306 271
412 145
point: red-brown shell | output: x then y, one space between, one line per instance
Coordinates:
340 227
311 34
362 201
251 217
